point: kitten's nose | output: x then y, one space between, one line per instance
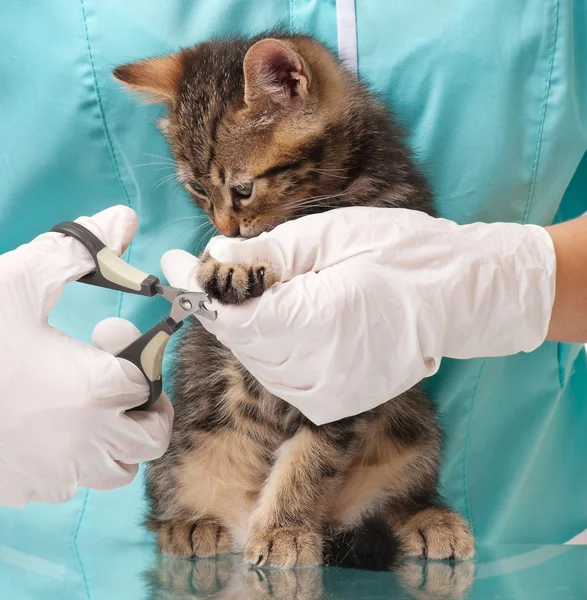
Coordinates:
228 228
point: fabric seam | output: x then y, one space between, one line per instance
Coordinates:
109 143
529 199
540 132
468 512
75 535
110 147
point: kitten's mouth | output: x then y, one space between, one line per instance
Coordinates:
251 234
248 232
250 228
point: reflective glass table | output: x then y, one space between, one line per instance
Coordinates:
137 573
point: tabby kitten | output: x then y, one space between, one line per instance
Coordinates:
264 130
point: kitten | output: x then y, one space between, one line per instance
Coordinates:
264 130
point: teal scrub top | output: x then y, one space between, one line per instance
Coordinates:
493 94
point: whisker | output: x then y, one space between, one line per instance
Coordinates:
165 180
334 169
173 222
312 200
151 164
183 220
282 217
203 238
194 233
165 158
203 177
328 172
201 226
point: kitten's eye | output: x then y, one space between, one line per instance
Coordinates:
194 188
244 190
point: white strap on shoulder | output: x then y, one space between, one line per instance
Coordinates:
346 23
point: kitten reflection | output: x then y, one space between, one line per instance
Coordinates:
428 580
227 578
173 579
290 584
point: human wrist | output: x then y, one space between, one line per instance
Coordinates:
568 322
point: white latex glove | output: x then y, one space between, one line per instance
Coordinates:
62 402
372 300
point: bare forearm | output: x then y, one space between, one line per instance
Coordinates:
569 314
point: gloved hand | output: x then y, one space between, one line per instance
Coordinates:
62 402
371 299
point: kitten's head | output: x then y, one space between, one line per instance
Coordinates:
250 123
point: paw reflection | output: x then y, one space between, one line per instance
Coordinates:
290 584
178 579
428 580
228 578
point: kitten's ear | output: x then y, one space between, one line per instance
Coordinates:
275 75
159 78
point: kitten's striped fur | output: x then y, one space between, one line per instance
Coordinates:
246 471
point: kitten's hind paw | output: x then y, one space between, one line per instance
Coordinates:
185 539
232 283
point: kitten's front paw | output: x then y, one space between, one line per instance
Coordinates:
185 539
284 547
232 283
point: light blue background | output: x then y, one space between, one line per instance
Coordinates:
494 95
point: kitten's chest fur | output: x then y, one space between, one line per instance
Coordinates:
228 396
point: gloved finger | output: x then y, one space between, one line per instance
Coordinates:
116 475
117 382
181 269
115 226
113 335
319 241
53 259
56 495
152 434
308 303
19 489
292 248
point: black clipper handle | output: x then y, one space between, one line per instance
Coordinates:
147 353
